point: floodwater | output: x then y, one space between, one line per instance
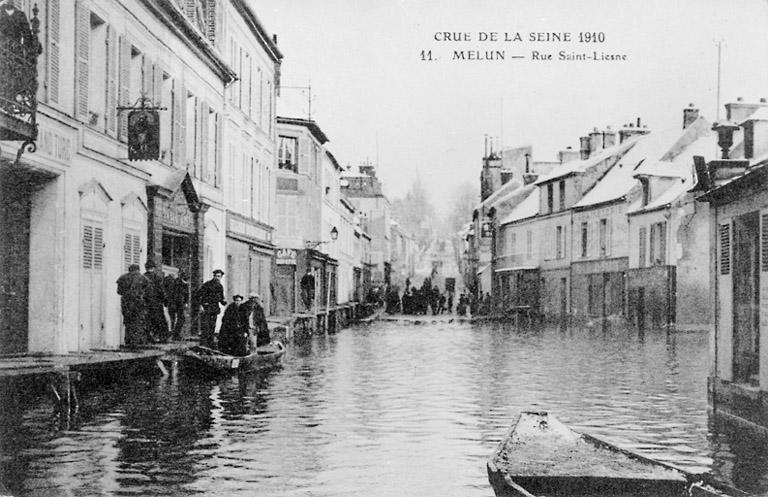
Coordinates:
386 409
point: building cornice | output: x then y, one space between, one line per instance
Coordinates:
171 17
257 28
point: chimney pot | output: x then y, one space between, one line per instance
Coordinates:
638 122
739 99
762 100
725 132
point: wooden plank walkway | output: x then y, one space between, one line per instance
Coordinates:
34 364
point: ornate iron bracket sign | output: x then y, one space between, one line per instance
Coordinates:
143 129
19 50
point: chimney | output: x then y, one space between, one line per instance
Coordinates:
568 155
595 141
725 132
584 151
527 163
690 114
274 39
738 111
629 130
529 178
506 175
609 137
756 134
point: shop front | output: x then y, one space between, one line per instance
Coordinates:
175 230
250 260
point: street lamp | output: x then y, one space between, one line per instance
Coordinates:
311 244
334 236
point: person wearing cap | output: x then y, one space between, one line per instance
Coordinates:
131 287
257 322
209 296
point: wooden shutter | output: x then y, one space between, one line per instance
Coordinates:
146 76
216 152
663 242
642 240
82 49
175 124
98 247
87 241
112 69
124 89
725 249
157 86
304 154
131 249
178 132
205 166
53 16
764 241
210 22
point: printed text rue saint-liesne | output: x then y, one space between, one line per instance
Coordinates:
546 46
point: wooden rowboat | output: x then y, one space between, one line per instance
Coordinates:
209 360
540 456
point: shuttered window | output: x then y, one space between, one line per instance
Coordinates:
124 79
131 249
93 246
642 239
52 61
764 242
725 249
82 54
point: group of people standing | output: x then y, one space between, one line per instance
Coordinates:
419 301
154 307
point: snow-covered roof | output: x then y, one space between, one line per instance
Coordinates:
505 191
760 114
527 208
671 145
582 165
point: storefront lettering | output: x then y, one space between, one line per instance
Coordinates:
176 211
55 145
286 256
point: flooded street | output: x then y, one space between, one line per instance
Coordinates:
386 409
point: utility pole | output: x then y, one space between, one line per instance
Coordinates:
719 50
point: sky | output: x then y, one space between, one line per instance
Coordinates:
377 100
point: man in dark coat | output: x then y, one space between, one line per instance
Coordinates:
157 326
208 297
177 295
131 287
308 289
233 335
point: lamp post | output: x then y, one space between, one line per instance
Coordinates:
312 244
334 236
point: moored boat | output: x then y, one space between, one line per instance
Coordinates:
540 456
208 360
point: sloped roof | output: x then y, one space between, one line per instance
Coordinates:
582 165
667 145
506 190
527 208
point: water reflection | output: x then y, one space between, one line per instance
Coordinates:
380 410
